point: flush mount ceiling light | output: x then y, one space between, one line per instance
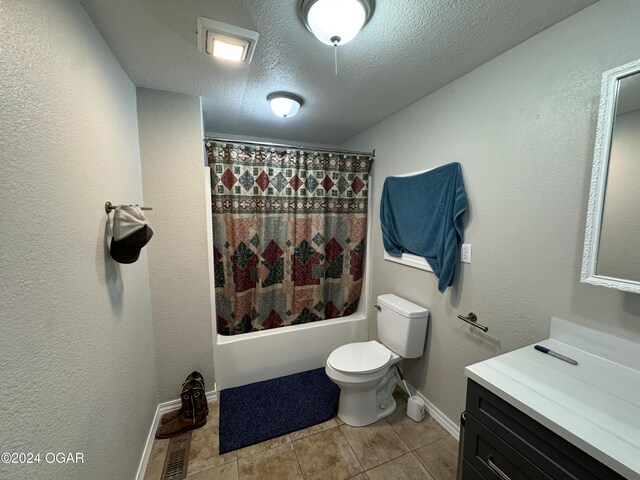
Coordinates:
335 22
225 41
284 104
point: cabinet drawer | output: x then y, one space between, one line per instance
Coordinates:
493 458
469 473
551 453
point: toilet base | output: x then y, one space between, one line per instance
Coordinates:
363 407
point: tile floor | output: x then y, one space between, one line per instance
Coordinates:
394 448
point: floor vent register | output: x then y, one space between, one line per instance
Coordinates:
176 462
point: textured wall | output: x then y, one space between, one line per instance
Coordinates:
173 180
76 346
523 128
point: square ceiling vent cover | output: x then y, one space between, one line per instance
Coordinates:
225 41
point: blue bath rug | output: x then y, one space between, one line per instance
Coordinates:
263 410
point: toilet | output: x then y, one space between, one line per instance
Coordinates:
366 372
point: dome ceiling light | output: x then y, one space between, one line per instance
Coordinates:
336 22
284 104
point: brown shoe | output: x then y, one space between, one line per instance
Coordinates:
166 418
180 425
192 415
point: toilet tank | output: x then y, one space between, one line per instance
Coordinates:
402 325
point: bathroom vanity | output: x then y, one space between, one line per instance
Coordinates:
533 416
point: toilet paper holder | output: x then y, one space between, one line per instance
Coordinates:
471 319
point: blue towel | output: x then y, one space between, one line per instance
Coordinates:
422 214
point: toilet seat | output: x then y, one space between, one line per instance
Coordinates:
359 358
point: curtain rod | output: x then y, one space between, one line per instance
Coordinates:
295 147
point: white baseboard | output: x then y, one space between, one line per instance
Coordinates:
445 422
148 445
161 409
171 405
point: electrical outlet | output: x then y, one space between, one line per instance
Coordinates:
465 253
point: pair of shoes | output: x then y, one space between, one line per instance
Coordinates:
192 414
197 376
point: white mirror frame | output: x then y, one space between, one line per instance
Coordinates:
606 116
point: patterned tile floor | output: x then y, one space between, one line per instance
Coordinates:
393 448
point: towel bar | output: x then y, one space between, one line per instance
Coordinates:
108 206
471 319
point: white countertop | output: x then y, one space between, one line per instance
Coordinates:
595 405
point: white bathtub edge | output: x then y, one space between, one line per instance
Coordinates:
253 357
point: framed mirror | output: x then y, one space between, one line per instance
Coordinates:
611 256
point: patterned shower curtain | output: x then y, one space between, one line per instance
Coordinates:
289 231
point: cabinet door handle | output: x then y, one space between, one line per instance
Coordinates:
495 468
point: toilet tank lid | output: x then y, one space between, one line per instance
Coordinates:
403 307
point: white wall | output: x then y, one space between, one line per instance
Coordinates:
523 128
76 345
173 181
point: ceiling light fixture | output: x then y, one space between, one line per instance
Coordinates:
284 104
226 41
336 22
229 50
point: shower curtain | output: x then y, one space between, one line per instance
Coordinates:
289 231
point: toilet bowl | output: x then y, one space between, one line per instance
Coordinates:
365 371
366 375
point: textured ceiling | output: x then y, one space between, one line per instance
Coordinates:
409 49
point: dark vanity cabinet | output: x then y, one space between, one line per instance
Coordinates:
501 442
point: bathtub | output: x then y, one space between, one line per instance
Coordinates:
256 356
